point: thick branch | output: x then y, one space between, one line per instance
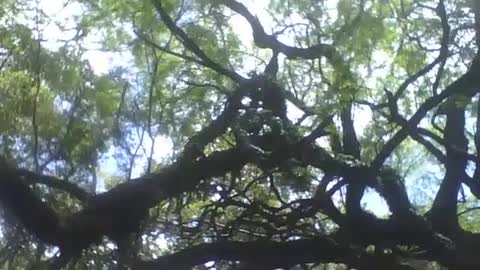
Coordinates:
351 146
444 208
271 254
17 198
268 254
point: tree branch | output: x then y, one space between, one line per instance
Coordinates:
53 182
263 40
268 254
467 85
190 44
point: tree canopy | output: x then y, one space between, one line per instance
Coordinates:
279 134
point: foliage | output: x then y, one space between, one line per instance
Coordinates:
150 134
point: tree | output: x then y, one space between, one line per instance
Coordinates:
276 143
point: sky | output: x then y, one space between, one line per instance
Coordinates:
101 60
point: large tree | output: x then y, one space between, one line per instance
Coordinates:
304 134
